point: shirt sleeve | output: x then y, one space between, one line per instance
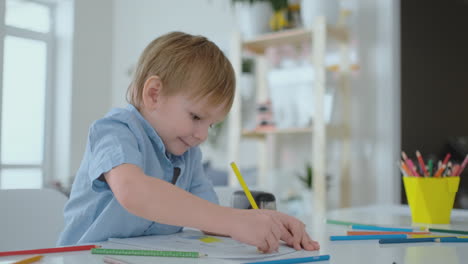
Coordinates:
201 186
111 144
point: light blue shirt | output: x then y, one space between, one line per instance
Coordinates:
92 213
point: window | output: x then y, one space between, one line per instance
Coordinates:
27 39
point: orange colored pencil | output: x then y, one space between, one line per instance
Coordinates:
440 170
410 164
29 260
405 168
361 233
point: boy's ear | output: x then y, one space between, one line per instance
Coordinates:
151 91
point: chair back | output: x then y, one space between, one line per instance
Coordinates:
30 218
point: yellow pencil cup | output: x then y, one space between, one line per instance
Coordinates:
431 199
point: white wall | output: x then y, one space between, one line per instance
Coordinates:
84 78
136 23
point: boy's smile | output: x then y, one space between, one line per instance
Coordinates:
182 122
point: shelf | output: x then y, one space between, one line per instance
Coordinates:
261 133
332 130
291 36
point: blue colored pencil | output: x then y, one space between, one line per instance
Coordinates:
293 260
367 237
381 228
406 240
451 239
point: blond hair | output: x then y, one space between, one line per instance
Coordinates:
185 63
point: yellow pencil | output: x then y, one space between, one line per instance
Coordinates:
244 186
29 260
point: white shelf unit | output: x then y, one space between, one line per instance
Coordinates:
317 35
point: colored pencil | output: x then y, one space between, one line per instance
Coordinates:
366 237
463 232
338 222
110 260
439 171
421 163
29 260
409 163
361 233
435 236
430 165
452 239
142 252
446 159
47 250
462 167
293 260
455 170
380 228
406 240
405 168
244 186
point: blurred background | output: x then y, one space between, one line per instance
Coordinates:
394 78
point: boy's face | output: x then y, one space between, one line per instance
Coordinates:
182 122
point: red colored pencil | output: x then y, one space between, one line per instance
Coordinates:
455 170
462 167
47 250
446 159
421 163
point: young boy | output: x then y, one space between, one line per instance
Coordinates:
142 174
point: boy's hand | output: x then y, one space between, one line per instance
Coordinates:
257 228
296 235
265 228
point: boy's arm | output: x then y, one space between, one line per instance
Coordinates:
160 201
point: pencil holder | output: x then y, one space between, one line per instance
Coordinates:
431 199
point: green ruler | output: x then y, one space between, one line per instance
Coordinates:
154 253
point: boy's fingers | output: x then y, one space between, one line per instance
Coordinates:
263 247
273 243
316 245
276 229
297 238
308 244
285 235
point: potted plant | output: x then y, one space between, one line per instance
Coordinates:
252 17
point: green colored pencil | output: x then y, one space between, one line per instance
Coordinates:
337 222
464 232
153 253
430 165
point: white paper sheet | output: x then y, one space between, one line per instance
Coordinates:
193 240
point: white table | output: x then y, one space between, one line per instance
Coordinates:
346 252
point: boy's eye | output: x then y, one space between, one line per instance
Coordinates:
195 117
